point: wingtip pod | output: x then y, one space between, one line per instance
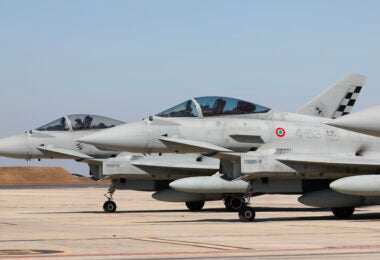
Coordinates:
364 121
338 99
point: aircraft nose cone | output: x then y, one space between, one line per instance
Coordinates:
361 122
103 139
14 146
129 137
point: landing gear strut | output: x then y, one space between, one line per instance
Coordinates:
195 205
343 213
109 206
234 203
246 213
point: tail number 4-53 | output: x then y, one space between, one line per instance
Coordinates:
309 133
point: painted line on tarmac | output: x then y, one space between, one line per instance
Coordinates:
7 224
27 252
187 243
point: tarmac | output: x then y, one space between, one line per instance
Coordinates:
68 222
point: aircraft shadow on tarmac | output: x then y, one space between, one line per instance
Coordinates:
258 209
358 216
355 217
263 209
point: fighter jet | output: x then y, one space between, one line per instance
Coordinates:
273 152
150 172
167 131
57 140
364 122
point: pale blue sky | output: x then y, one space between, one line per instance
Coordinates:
132 59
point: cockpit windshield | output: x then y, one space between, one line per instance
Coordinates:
213 106
57 125
80 122
85 122
185 109
218 106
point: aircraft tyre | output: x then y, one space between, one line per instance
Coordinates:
343 213
233 203
109 206
195 205
247 214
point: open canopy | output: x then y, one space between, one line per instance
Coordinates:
213 106
80 122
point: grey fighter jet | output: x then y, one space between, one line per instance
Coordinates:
57 140
364 122
152 172
166 131
273 152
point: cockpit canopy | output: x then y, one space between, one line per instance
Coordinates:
80 122
213 106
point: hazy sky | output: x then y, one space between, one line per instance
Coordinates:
132 59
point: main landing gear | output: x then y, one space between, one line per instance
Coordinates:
195 205
109 206
343 213
234 203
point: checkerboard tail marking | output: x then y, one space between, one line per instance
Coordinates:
348 102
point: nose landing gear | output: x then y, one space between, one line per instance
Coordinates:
109 206
246 213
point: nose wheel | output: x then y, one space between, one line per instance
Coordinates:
109 206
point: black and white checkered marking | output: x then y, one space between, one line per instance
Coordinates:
348 102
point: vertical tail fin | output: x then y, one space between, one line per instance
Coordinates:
337 100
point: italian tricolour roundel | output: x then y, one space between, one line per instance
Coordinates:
280 132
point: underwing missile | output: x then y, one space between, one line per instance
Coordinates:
208 184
